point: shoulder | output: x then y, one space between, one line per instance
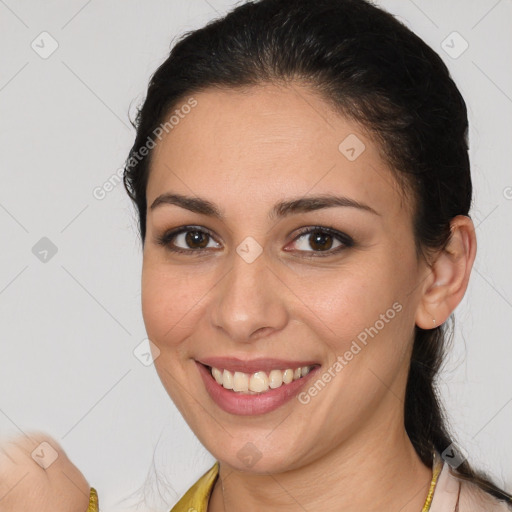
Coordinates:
455 494
474 499
197 497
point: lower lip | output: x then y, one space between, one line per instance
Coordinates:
248 405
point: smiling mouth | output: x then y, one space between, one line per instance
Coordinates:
258 382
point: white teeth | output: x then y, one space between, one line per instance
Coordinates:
227 380
258 382
305 370
240 382
287 376
217 375
275 378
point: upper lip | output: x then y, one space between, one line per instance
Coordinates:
234 364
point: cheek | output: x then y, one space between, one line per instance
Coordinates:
363 313
347 301
170 301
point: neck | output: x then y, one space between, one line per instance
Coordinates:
371 472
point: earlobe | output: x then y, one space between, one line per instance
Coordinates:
449 275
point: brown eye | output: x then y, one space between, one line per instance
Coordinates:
197 237
322 240
187 240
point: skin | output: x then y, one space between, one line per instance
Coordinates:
245 151
54 486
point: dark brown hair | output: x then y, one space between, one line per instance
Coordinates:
372 69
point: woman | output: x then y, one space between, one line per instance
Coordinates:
302 180
305 230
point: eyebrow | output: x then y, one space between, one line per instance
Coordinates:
281 209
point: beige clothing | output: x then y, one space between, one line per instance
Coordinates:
453 494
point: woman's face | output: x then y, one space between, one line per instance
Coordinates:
252 293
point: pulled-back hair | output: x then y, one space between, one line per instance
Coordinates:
372 69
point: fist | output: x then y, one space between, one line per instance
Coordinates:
36 475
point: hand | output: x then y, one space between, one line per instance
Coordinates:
39 477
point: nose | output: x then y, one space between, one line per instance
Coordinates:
249 302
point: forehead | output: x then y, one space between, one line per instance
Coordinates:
266 142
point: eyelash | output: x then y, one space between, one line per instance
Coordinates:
346 240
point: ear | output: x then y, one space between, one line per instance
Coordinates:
448 276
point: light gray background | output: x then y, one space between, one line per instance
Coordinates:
70 325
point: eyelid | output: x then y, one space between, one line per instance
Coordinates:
167 236
346 240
